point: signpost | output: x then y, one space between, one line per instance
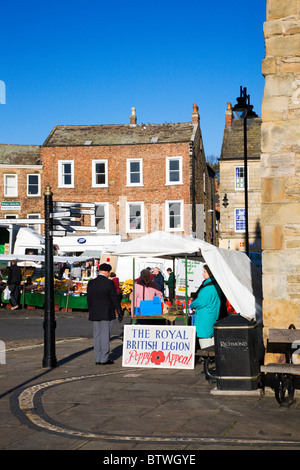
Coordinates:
58 221
49 359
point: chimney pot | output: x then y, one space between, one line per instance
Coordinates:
228 115
195 114
133 118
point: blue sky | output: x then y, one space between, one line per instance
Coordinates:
72 62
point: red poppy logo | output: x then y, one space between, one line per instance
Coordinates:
157 357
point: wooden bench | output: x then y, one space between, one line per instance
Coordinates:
284 374
207 355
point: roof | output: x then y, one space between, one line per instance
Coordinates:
19 154
119 134
233 141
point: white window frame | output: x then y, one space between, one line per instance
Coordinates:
235 220
142 228
61 183
168 160
128 162
94 184
106 217
35 227
38 184
167 216
15 176
235 168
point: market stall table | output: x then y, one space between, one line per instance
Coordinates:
62 300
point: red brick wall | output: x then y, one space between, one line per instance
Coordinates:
154 190
29 205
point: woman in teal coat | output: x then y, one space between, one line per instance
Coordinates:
207 308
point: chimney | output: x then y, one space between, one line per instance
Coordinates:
132 118
228 115
195 115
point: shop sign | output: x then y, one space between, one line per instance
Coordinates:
10 206
164 347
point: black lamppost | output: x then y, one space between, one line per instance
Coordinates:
49 359
244 111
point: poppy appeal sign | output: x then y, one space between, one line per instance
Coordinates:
171 347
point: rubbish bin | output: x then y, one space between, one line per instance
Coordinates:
237 355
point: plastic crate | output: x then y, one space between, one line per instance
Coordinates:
149 307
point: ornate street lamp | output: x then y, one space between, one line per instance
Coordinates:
244 111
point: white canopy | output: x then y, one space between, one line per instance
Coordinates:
237 276
41 258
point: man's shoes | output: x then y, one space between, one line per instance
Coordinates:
14 308
104 363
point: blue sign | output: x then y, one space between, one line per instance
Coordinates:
81 240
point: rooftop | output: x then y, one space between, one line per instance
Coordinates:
233 140
125 134
19 154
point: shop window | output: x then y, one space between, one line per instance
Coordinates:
135 217
174 215
101 217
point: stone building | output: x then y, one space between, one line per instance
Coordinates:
280 164
142 177
232 194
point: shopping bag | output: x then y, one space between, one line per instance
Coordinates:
6 294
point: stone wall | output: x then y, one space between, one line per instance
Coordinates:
280 165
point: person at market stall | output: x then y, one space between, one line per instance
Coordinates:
145 289
28 285
62 273
159 280
171 284
207 308
116 282
103 302
14 281
76 271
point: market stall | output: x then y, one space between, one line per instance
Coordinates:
236 275
67 294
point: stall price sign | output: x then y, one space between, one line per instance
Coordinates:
164 347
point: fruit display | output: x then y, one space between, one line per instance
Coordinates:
126 288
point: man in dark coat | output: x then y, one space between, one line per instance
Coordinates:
103 301
14 281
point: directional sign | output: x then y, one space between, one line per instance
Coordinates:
60 214
54 233
70 221
78 205
71 228
79 212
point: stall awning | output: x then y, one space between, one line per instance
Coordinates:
237 276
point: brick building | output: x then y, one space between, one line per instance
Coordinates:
142 177
232 216
21 188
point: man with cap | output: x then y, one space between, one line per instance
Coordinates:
103 301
